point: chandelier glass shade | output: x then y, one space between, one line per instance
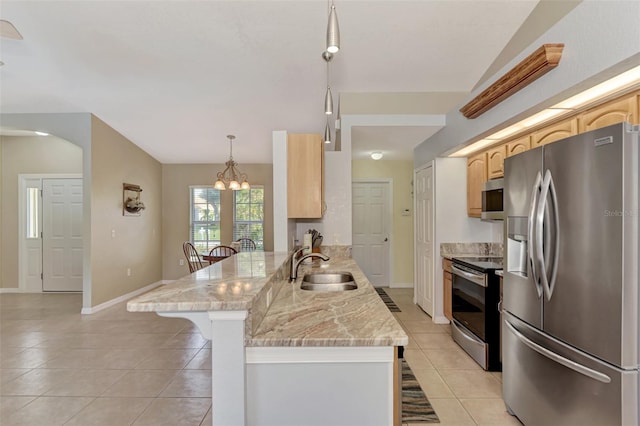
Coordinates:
231 176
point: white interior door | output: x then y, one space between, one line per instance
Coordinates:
371 238
30 211
62 234
423 188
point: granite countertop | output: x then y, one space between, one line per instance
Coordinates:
451 250
295 317
232 284
313 318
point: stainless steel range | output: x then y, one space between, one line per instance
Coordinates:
476 317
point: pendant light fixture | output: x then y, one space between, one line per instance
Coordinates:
327 133
231 174
328 98
333 30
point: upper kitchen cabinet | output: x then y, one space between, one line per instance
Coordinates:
495 162
476 177
560 130
519 145
305 176
616 111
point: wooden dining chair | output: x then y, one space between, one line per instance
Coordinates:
220 252
246 244
193 257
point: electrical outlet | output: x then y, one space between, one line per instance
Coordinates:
181 262
113 233
128 272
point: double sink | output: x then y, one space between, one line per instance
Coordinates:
328 281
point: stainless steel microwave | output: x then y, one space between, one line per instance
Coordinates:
492 198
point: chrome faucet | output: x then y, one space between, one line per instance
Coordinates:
293 275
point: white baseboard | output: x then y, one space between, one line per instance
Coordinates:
123 298
401 285
440 319
14 290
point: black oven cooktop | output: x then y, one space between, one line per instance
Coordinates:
482 264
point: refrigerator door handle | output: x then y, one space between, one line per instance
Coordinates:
533 263
547 278
579 368
556 236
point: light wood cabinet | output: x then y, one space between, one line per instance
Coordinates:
495 162
447 282
490 163
305 176
519 145
476 177
616 111
560 130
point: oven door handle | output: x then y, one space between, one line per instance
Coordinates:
480 280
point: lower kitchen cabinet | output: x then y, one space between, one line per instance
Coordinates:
446 288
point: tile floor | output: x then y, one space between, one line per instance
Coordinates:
459 390
58 367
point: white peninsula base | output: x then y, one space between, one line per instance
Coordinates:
320 386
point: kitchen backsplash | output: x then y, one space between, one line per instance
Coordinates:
337 252
470 249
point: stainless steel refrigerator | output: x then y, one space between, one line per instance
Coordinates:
570 328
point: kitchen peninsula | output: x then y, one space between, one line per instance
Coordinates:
286 356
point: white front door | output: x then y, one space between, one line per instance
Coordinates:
62 235
424 238
371 225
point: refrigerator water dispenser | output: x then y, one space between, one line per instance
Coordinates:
517 230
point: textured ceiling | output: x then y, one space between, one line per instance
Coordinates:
175 77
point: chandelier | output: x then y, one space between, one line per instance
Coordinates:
231 175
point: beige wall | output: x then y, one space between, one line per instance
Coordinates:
176 179
120 242
22 155
402 174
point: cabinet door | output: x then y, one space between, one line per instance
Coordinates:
495 162
476 177
616 111
305 176
519 145
554 132
446 289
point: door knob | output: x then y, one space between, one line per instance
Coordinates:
386 239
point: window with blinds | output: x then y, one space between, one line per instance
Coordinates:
205 218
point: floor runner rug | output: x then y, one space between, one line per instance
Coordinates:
416 408
387 300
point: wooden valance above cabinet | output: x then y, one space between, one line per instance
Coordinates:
534 66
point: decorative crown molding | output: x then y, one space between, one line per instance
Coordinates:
534 66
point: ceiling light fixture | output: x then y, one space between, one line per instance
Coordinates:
333 30
234 175
41 133
377 155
